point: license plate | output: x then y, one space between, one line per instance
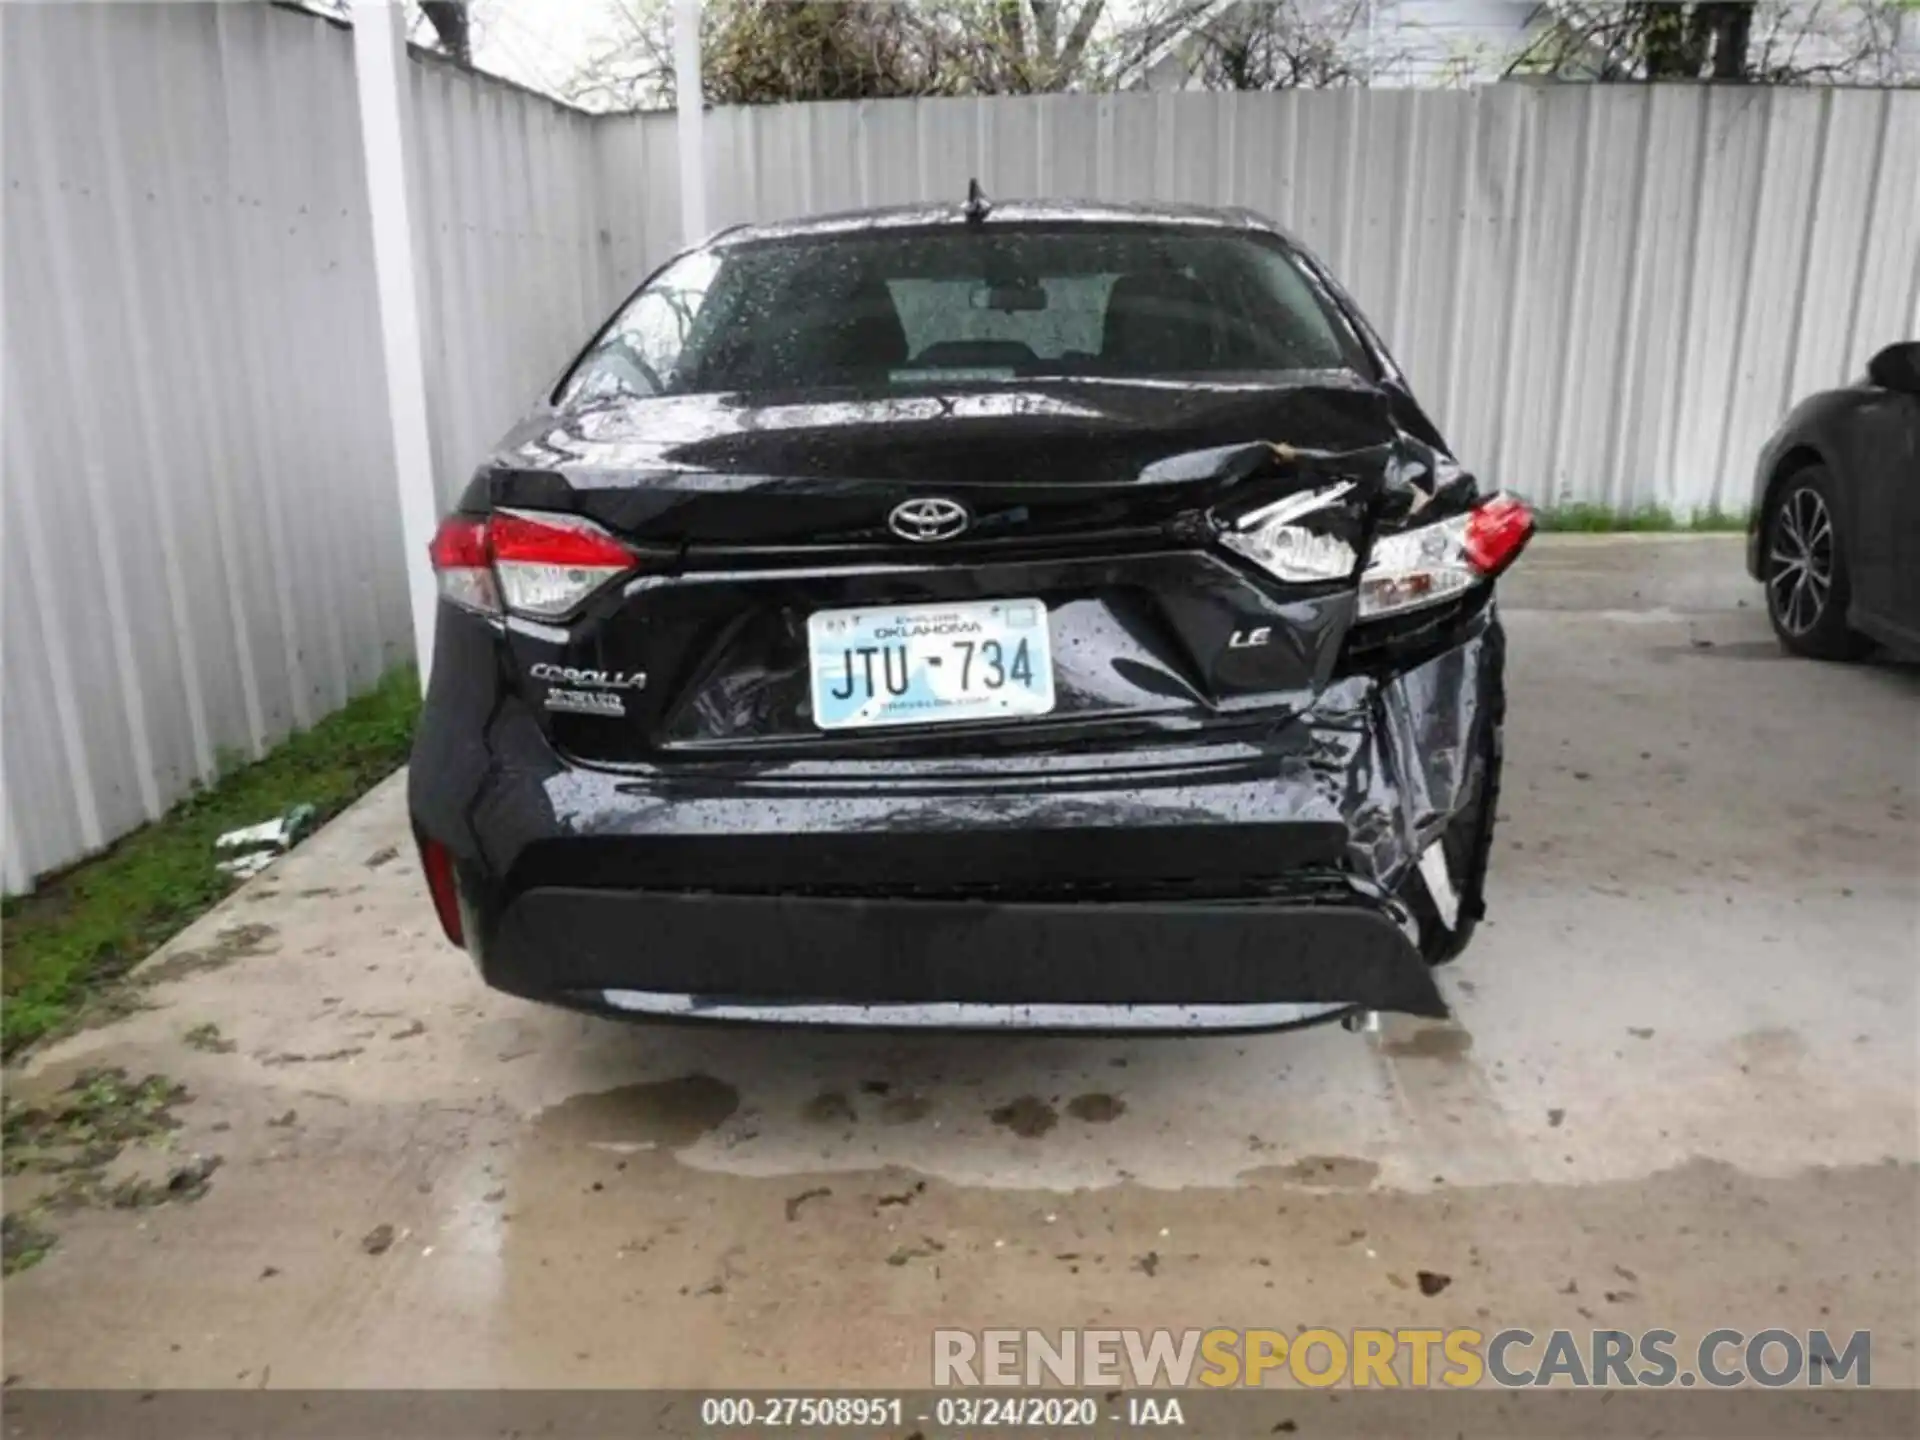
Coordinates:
929 664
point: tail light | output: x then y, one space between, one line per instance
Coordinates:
461 564
437 861
1425 566
1273 538
520 563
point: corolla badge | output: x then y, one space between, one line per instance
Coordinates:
588 692
932 518
598 679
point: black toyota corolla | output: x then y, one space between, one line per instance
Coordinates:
1052 616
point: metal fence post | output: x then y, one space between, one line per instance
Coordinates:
379 61
691 122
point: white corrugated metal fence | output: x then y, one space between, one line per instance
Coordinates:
197 555
201 547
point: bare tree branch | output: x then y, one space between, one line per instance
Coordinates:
1289 44
1076 46
1847 41
758 51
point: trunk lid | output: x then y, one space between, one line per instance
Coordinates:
1096 499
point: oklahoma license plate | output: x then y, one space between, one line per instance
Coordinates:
927 664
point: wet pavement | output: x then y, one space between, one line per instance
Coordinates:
1679 1091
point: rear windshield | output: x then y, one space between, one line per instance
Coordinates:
936 307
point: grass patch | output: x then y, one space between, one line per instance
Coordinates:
99 1113
1648 519
207 1037
62 1148
23 1243
88 925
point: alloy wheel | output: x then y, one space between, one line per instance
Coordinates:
1800 561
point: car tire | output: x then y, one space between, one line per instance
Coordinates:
1804 570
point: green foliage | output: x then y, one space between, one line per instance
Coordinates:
87 926
1645 519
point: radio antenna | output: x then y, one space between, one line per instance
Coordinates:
978 206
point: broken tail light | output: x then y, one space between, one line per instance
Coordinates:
1276 540
517 562
1436 562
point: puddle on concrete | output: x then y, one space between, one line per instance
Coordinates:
664 1114
1096 1107
1429 1042
692 1259
829 1107
904 1109
1029 1117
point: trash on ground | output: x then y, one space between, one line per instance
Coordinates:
255 847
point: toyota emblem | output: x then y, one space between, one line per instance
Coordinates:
930 519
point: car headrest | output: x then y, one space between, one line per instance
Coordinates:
869 335
1159 320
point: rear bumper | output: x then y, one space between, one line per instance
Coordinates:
861 957
1267 879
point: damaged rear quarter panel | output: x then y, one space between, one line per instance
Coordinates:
1425 733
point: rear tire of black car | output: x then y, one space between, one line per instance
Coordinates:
1804 569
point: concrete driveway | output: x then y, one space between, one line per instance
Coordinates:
1680 1092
